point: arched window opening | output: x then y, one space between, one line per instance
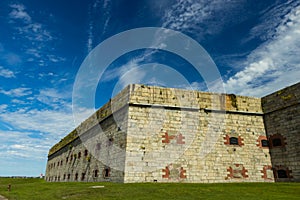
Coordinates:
106 172
82 176
86 152
96 173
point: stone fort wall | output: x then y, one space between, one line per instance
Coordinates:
95 150
168 135
282 122
188 136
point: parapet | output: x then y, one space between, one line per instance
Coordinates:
281 99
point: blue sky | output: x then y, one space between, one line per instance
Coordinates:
255 45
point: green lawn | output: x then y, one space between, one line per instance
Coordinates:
38 189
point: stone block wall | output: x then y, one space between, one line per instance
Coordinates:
282 123
95 150
156 134
188 136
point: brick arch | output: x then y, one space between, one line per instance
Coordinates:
259 142
237 171
275 137
265 170
228 137
280 168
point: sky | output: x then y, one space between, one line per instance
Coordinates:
254 44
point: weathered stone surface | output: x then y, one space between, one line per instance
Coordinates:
282 123
148 133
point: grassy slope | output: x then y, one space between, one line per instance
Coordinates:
38 189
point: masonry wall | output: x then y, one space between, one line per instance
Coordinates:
184 136
147 134
95 150
282 122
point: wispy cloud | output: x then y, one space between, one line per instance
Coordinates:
33 132
31 120
55 99
96 21
199 17
17 92
37 36
16 144
3 107
6 73
117 72
274 64
30 131
18 12
270 19
187 16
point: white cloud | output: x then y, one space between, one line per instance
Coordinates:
18 92
199 17
34 131
58 100
35 32
6 73
37 35
19 12
18 144
29 132
95 21
55 58
119 71
3 107
270 19
273 65
54 123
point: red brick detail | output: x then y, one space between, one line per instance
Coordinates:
260 138
182 173
227 141
281 167
180 139
264 171
277 136
167 138
238 171
241 141
226 138
167 173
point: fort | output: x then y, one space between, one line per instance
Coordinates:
156 134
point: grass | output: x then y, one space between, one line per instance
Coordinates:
38 189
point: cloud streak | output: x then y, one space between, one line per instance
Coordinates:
94 33
270 19
36 34
6 73
273 65
17 92
18 12
199 17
